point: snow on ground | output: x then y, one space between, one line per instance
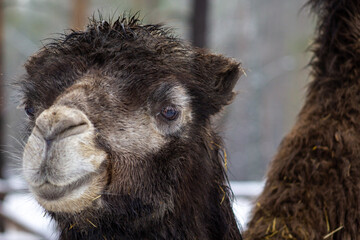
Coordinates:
245 194
250 189
242 209
16 235
22 208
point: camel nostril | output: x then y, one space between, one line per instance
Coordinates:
60 122
48 143
73 130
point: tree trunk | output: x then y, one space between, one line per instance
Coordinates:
2 103
199 22
79 14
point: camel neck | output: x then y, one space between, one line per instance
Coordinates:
336 47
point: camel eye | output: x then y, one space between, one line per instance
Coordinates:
169 113
30 111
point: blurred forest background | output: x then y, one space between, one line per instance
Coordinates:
269 37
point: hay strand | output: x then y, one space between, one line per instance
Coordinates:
271 235
224 194
96 198
327 220
324 148
333 232
274 225
91 223
71 226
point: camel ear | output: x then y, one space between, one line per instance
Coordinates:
220 74
227 72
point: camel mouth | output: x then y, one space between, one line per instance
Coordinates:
51 192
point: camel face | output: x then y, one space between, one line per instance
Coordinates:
64 160
121 136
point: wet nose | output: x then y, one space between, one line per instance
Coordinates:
60 121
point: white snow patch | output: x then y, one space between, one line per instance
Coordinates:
23 209
247 189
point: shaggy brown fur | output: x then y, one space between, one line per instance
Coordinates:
117 74
312 189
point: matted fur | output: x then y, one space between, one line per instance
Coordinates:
312 189
159 179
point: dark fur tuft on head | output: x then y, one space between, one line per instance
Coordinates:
106 45
102 33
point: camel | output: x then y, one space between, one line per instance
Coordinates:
312 189
121 144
